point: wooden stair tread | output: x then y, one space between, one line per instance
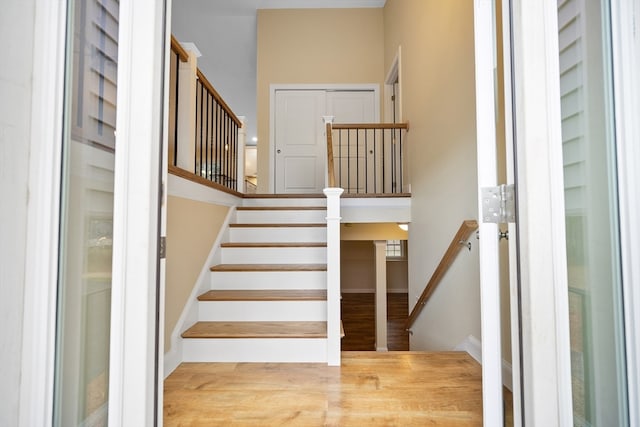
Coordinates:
274 245
269 267
264 225
257 330
281 208
264 295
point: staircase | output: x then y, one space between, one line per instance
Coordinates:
268 298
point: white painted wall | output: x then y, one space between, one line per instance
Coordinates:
226 37
438 81
16 24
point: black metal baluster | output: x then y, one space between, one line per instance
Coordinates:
357 160
383 161
340 157
392 134
366 161
401 164
375 162
348 161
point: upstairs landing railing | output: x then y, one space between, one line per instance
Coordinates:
458 242
367 158
206 138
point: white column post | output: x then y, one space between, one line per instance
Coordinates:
381 295
187 112
325 120
333 275
242 139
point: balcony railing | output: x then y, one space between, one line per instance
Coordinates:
205 135
367 158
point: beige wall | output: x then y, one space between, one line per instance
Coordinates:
192 228
358 269
313 46
437 78
372 231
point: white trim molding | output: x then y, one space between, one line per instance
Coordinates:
132 381
41 266
473 347
625 16
546 368
487 172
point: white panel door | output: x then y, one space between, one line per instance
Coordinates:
299 141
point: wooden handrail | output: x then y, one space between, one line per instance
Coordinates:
330 163
218 98
190 176
340 126
178 49
465 230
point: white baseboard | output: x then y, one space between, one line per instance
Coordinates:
172 358
473 346
189 313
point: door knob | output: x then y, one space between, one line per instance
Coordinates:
278 151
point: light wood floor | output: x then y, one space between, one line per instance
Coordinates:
369 389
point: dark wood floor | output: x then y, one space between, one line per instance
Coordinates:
358 319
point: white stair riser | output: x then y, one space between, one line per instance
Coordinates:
276 350
269 280
274 255
315 201
249 311
278 234
281 217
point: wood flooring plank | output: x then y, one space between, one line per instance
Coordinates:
265 295
257 330
269 267
372 389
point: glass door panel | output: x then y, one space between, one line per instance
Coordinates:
591 211
84 282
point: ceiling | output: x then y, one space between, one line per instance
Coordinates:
242 7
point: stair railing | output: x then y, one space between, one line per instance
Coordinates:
367 158
458 242
206 136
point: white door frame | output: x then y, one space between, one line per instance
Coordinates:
41 261
309 86
485 65
540 234
546 368
625 16
132 375
133 369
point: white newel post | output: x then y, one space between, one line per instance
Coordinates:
333 275
187 111
242 138
325 120
381 295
